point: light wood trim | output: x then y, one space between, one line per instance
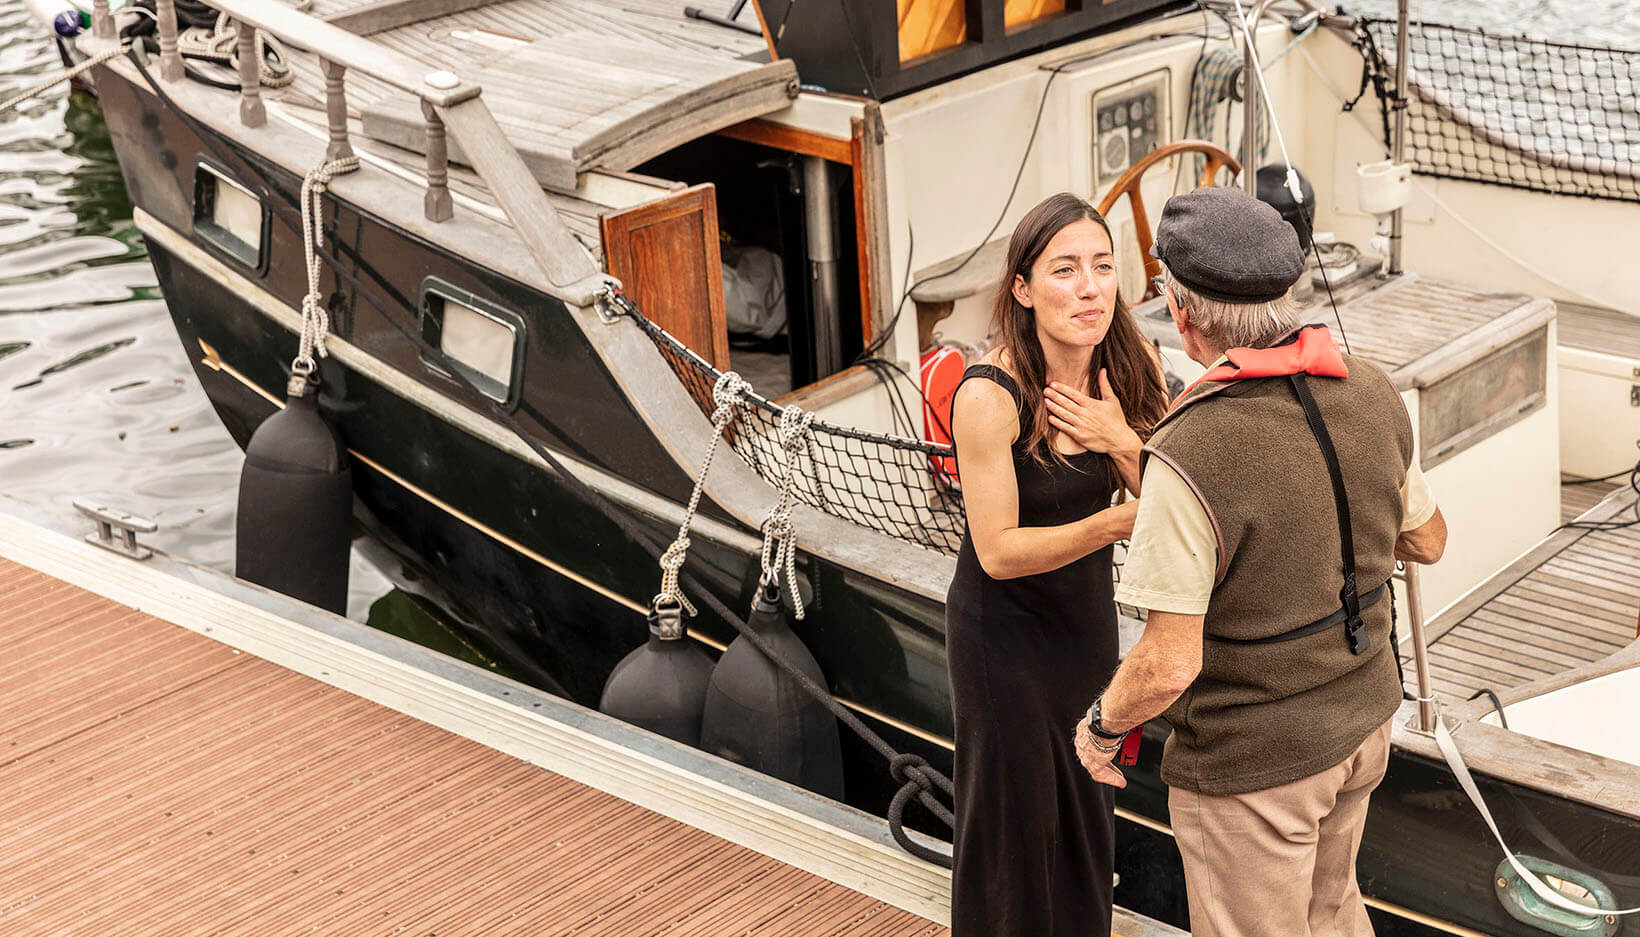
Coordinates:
792 140
763 24
871 225
383 15
828 390
862 250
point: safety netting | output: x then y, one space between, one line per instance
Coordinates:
891 484
1526 113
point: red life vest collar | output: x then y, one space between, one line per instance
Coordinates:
1310 350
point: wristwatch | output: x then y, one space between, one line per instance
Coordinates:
1096 722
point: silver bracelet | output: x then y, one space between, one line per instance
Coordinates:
1113 746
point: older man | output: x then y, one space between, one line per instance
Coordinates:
1278 493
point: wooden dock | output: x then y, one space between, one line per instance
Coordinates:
190 760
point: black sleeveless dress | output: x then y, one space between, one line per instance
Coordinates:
1035 838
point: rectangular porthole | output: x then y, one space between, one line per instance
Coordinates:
230 216
481 340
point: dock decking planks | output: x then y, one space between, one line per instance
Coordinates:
1577 605
163 782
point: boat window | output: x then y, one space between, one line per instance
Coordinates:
928 26
230 216
483 341
1458 411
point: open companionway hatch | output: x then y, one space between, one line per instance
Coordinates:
576 85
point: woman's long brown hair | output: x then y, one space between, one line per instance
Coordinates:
1134 374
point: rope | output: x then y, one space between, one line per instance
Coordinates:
315 318
726 393
922 781
779 535
40 87
220 43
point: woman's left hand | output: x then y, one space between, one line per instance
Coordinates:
1097 424
1098 764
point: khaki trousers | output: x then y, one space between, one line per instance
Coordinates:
1280 862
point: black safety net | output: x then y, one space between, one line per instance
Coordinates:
890 484
1526 113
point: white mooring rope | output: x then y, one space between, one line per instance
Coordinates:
40 87
315 318
727 394
779 535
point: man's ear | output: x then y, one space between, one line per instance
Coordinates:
1021 291
1181 314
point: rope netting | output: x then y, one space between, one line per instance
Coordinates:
1519 112
890 484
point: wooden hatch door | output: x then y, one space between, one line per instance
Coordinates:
665 253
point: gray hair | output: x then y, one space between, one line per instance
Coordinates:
1228 325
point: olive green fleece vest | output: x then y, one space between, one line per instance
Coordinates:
1262 715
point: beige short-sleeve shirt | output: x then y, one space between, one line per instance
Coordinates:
1173 555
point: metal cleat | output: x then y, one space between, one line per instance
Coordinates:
109 521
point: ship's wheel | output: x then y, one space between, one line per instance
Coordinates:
1128 185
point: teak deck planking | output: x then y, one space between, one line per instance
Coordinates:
165 783
1573 602
575 84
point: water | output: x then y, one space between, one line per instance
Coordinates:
97 398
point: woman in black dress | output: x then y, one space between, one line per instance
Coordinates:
1043 442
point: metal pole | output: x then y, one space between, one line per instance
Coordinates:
1399 143
1420 650
822 237
1249 105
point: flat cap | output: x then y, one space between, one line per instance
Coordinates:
1224 244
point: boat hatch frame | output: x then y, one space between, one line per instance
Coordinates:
430 327
218 237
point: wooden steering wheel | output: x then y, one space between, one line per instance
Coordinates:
1128 185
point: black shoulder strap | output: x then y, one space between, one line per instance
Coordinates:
1348 597
1001 378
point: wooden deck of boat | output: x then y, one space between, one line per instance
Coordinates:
1573 600
162 782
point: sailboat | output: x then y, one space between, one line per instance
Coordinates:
538 220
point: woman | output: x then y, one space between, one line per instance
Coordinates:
1046 429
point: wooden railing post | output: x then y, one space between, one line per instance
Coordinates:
437 204
251 111
336 111
102 22
170 62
